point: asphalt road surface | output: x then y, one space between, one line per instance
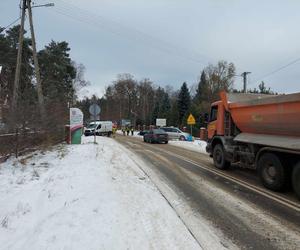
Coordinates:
228 209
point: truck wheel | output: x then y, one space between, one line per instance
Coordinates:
219 157
272 172
296 179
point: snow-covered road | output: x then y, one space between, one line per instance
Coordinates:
85 197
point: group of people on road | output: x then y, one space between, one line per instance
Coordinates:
127 130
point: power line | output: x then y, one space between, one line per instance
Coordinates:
276 70
5 28
76 13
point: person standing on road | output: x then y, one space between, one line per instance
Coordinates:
132 130
123 130
127 130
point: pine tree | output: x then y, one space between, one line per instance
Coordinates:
183 102
201 89
57 72
166 106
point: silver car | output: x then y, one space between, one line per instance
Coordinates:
176 133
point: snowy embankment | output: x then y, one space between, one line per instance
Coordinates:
85 197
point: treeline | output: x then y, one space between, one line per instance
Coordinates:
142 101
61 78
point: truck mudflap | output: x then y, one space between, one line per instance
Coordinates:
208 148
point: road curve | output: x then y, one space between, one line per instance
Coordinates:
240 210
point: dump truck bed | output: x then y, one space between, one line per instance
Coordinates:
264 114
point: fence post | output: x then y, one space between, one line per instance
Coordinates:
17 143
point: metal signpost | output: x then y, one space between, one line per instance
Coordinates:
94 110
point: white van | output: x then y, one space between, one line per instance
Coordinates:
99 128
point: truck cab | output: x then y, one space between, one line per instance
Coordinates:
216 120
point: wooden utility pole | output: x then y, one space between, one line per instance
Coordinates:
36 65
244 75
19 59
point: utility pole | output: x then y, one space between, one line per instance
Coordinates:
26 4
19 58
244 75
36 65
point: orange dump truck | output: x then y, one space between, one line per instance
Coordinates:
260 132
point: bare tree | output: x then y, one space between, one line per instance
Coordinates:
79 82
219 77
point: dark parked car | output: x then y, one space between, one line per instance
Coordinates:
156 135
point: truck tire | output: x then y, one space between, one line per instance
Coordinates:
219 157
296 179
271 172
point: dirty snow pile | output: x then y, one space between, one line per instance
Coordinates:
196 145
85 197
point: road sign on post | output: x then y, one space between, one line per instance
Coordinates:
191 121
94 110
161 122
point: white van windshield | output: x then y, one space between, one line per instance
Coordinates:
92 125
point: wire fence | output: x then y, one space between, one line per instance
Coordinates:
24 130
24 141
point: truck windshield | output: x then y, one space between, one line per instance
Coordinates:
213 113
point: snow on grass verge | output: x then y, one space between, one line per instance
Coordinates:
85 197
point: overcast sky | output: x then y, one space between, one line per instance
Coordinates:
171 41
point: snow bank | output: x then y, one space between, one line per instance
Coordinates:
196 145
85 197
